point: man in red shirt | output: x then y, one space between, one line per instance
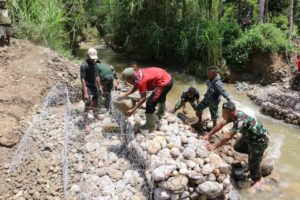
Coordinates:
152 79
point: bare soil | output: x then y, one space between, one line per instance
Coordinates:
27 72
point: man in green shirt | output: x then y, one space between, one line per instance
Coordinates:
106 75
5 24
254 139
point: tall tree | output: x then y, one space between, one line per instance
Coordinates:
220 10
266 12
261 11
291 20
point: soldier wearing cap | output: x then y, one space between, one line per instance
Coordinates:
5 24
89 88
152 79
254 139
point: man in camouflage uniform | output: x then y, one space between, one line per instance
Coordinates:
212 97
190 95
106 75
5 24
254 139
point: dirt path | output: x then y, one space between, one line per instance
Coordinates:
27 72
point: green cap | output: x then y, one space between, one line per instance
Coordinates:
127 72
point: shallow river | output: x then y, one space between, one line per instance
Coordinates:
285 143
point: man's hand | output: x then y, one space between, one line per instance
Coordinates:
129 112
205 137
85 97
210 147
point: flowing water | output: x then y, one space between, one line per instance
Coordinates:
285 143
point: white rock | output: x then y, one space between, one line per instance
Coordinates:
184 139
174 139
115 174
165 154
163 172
189 153
210 188
211 177
19 194
176 184
75 189
215 159
175 197
195 176
201 153
208 168
191 164
154 147
175 152
91 146
184 171
161 194
185 194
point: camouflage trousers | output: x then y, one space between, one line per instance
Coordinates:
255 153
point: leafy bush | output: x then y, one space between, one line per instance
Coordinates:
265 38
281 22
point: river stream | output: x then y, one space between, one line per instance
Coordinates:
285 142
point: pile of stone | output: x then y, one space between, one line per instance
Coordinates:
276 100
99 164
179 166
279 103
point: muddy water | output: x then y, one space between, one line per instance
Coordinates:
285 143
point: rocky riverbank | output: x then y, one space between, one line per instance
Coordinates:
178 164
277 100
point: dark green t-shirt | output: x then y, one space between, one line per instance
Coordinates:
105 71
88 73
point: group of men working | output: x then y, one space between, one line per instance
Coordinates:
5 24
254 139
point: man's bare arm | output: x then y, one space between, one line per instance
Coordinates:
220 124
140 102
84 90
130 91
228 136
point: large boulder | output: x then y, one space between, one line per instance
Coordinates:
123 104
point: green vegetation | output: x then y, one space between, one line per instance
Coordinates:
264 38
51 23
193 33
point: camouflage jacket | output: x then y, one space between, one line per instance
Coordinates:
251 129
